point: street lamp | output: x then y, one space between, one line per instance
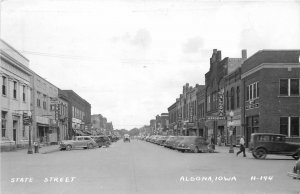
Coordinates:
231 114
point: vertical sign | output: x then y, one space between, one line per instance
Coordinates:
221 103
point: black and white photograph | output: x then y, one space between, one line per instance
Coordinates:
150 96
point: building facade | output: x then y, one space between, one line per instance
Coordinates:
62 114
271 93
15 97
44 119
79 114
232 106
216 118
172 119
201 111
152 126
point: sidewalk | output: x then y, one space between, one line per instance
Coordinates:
49 149
45 149
225 149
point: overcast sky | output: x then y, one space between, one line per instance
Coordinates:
130 59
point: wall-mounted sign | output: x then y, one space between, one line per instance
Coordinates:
215 118
252 106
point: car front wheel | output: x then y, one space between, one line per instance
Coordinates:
196 150
68 148
260 153
90 146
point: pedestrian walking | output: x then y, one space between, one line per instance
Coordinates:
242 147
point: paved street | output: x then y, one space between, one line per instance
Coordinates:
141 167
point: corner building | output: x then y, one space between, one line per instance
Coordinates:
15 97
271 93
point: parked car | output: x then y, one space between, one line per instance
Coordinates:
194 143
78 142
162 140
296 171
169 141
175 143
262 144
102 141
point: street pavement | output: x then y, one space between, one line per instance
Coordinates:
142 167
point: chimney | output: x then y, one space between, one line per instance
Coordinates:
244 54
219 56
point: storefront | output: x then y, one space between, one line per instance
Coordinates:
42 125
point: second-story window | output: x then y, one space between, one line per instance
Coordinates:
238 97
232 99
15 90
252 91
24 94
44 102
4 85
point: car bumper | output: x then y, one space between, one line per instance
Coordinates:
62 146
294 175
183 149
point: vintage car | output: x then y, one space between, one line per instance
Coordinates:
126 138
194 143
175 143
169 141
102 141
262 144
161 141
78 142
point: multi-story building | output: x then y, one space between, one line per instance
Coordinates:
201 111
97 123
62 114
172 119
44 115
270 92
15 97
79 114
152 125
164 123
216 120
232 105
109 127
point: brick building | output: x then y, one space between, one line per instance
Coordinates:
172 119
79 114
215 83
44 121
270 92
201 111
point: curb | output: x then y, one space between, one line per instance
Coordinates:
49 151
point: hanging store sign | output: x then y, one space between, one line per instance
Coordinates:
26 119
221 103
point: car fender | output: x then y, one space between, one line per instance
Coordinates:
260 147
